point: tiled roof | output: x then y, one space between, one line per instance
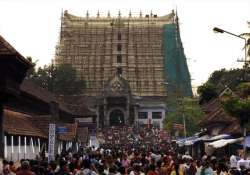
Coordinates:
31 88
7 49
79 106
42 122
215 114
212 105
234 127
219 115
17 123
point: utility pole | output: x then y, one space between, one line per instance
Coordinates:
184 121
180 101
245 67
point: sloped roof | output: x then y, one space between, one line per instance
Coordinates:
212 105
234 127
7 49
42 122
78 104
31 88
215 114
17 123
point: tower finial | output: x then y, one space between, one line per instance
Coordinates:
178 41
151 13
176 17
87 14
98 14
108 14
119 14
140 14
62 16
130 14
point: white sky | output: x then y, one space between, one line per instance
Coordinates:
32 27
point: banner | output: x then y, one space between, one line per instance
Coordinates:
51 144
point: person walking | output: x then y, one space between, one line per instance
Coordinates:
25 169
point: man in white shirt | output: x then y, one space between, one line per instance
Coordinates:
233 161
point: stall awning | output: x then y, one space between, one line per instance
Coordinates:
247 141
223 142
191 140
187 141
218 137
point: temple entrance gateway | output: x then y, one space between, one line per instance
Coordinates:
116 118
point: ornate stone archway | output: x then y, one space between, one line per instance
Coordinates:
116 117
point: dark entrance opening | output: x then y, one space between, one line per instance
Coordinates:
116 118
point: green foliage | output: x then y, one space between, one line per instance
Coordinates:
219 80
207 92
244 89
32 69
65 80
237 106
190 109
216 76
60 80
231 78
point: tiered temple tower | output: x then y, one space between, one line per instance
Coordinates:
125 56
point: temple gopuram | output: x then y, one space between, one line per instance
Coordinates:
130 64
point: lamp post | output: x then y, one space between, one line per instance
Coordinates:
216 29
219 30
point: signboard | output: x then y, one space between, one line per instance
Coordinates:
84 120
51 144
61 130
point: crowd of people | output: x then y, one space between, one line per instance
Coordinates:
157 158
132 136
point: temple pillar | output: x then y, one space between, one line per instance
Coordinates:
106 118
97 117
136 121
127 113
3 99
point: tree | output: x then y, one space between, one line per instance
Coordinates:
31 71
65 80
216 76
207 92
190 109
239 106
219 80
60 80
